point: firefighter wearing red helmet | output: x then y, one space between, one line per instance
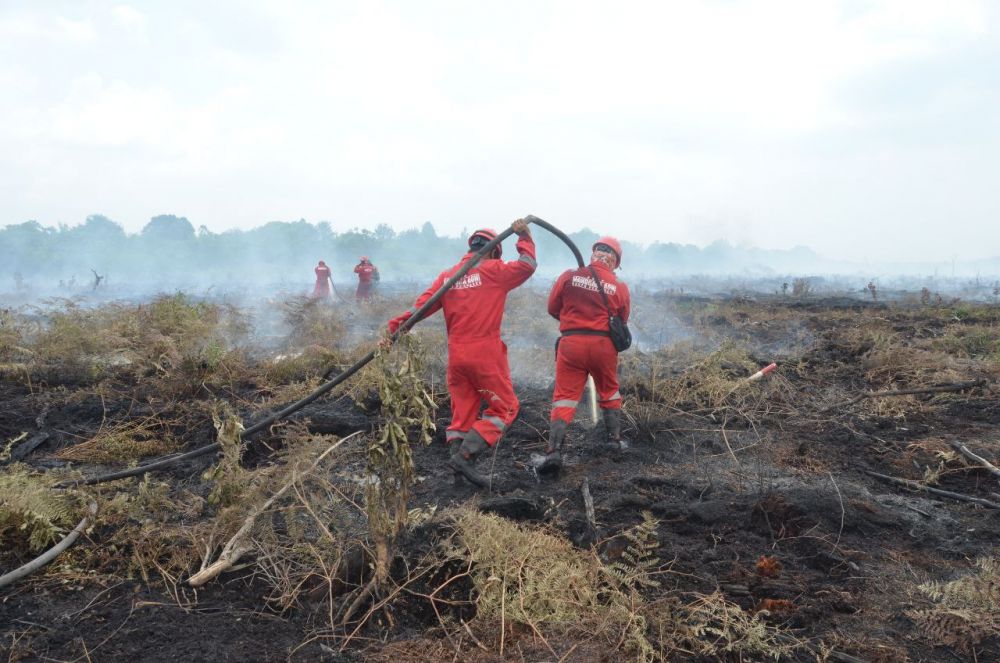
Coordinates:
367 278
585 346
478 371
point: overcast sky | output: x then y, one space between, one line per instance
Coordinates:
861 129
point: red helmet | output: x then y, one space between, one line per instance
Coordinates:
488 234
612 244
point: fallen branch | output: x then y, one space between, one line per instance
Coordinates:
964 450
237 546
22 450
916 485
51 553
957 386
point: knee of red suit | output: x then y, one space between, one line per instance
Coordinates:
492 427
566 410
565 414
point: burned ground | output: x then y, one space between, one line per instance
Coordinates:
742 523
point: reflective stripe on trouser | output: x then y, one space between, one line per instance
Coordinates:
577 357
478 373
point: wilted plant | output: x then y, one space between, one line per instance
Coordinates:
32 514
229 475
407 408
967 610
715 627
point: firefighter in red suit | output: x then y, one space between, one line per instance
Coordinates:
585 346
322 288
478 372
367 277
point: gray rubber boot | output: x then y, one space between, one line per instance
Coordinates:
551 460
613 424
463 459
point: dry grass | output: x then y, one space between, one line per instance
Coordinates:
533 594
174 340
123 442
533 581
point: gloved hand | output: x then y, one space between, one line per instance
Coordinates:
395 323
521 228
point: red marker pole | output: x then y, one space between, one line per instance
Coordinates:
762 372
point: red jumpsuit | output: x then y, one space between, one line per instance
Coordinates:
366 273
322 287
577 305
478 371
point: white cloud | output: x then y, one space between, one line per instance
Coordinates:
24 27
132 21
369 112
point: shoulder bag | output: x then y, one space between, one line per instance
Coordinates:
621 337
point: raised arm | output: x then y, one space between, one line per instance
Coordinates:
515 272
424 296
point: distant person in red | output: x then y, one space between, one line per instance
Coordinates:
585 346
322 288
367 278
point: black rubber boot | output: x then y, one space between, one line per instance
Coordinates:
551 460
613 424
463 459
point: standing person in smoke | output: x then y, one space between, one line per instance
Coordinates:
585 346
478 371
367 278
322 288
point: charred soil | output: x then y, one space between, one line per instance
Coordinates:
756 498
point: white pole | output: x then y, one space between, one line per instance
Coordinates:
592 397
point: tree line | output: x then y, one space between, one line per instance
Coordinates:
170 251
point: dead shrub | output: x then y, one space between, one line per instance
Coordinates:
179 341
151 533
692 381
33 514
801 287
536 578
312 322
124 442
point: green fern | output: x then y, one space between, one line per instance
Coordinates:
639 559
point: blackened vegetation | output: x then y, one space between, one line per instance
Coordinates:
743 523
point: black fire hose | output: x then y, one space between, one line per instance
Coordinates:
327 386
